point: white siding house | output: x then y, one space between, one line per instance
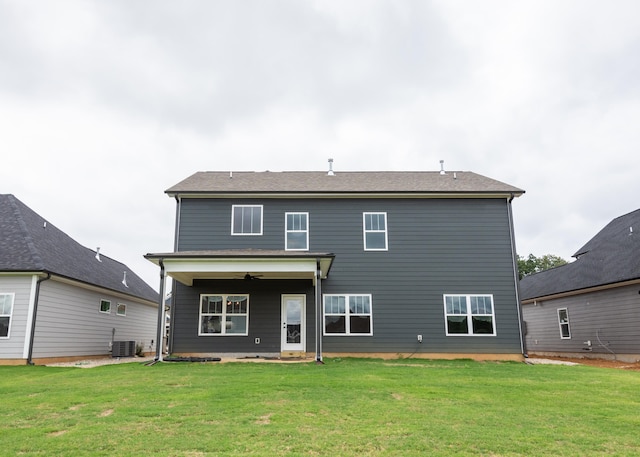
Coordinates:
60 300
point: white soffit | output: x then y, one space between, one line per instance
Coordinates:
186 270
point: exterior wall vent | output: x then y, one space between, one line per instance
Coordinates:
123 349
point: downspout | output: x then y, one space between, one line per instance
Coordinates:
176 230
161 323
173 281
514 258
33 321
318 313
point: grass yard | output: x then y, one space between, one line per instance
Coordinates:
347 407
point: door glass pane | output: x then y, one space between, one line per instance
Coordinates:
294 320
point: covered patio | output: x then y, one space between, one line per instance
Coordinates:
243 264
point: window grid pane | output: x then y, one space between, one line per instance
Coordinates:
563 320
247 220
224 314
355 319
375 231
6 304
6 309
296 232
469 314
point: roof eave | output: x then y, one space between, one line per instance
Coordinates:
583 290
359 194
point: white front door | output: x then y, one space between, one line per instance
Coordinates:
293 323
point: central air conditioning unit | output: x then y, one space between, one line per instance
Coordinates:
123 349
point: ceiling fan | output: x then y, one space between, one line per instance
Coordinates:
249 277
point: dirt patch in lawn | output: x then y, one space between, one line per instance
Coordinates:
600 363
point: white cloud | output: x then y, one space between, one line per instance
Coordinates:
105 105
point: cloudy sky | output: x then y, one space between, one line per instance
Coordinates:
105 104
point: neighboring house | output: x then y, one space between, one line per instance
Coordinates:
591 306
60 300
387 264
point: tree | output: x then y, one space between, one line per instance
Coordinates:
533 264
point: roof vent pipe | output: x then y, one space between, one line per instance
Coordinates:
124 279
98 255
442 167
331 173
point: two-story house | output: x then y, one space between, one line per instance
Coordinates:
382 264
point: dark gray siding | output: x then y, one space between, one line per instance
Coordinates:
608 318
436 247
264 316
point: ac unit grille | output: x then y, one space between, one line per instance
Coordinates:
123 349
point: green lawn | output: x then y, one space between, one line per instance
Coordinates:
347 407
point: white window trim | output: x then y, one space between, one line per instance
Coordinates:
365 231
107 301
223 314
233 212
118 313
287 231
560 324
469 315
347 314
10 316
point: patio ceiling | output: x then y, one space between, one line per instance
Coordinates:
187 266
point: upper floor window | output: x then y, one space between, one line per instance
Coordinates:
246 220
121 309
347 315
563 320
375 231
105 306
297 232
6 310
469 315
224 315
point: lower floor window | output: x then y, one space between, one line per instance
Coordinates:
224 315
6 310
347 315
563 320
469 315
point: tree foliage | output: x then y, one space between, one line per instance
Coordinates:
533 264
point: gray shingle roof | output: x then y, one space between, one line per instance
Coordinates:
612 256
29 243
212 182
